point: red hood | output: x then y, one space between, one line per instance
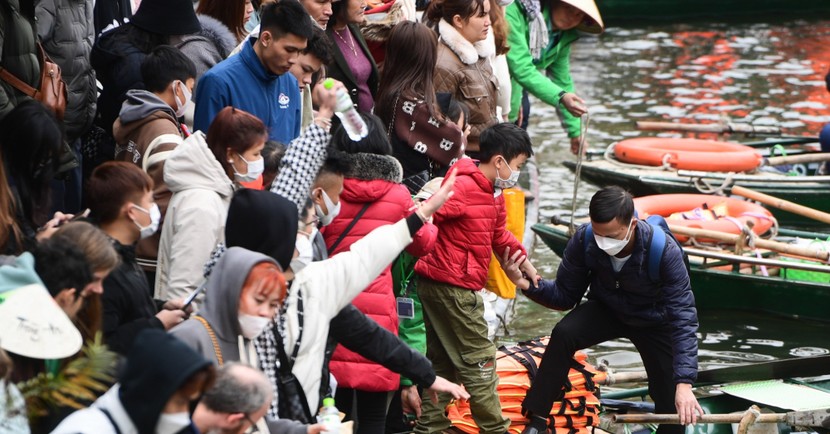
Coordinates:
360 191
469 167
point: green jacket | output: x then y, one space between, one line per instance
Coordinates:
544 78
411 331
17 52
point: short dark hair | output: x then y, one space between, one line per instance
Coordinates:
164 65
336 163
113 184
319 45
611 203
454 109
375 142
505 139
286 16
61 264
272 155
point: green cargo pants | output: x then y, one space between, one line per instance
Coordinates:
458 347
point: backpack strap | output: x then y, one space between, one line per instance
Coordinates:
655 248
349 227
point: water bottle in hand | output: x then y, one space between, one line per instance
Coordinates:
330 417
349 117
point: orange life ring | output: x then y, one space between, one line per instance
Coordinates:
688 154
733 214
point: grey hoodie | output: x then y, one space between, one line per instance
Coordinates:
221 306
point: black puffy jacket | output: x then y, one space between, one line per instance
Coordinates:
637 300
17 51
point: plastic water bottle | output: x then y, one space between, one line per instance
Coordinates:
349 117
330 417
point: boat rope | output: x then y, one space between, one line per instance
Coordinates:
578 172
705 187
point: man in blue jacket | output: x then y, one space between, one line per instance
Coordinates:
625 301
255 80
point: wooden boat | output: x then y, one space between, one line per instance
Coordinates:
602 169
722 280
616 11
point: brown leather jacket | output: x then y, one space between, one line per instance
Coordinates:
464 70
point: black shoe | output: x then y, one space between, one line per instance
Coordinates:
536 425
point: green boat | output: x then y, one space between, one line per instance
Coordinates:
721 280
602 169
615 12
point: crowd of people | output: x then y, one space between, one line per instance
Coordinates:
198 208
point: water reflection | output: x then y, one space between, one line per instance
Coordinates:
762 74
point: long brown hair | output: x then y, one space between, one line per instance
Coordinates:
411 54
8 222
499 27
232 16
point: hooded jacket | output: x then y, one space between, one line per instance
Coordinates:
463 69
221 309
195 220
247 206
18 55
210 46
242 81
544 78
373 181
66 30
156 367
472 224
146 132
630 293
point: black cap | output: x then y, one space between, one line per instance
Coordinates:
167 17
263 222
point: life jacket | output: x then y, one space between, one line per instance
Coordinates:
516 367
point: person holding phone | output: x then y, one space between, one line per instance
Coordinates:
121 199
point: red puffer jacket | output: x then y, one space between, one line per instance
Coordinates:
472 225
374 179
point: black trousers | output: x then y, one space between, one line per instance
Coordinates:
592 323
367 409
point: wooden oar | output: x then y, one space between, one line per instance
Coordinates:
790 249
751 260
772 370
719 128
781 204
811 418
810 157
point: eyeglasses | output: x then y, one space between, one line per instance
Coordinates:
254 428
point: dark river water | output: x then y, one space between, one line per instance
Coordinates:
769 74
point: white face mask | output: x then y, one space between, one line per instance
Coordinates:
255 168
155 219
510 181
306 249
171 423
252 326
181 106
334 210
612 246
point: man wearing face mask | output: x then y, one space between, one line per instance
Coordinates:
161 378
148 129
659 317
121 200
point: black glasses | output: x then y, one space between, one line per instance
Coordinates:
254 428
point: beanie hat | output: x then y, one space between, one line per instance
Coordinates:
31 322
167 17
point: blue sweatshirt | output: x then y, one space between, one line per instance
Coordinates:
242 81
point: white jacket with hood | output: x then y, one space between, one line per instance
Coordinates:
195 220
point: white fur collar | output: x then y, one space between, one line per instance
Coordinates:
467 52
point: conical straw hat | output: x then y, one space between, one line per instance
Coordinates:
593 20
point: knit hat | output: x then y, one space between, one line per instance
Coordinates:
31 322
167 17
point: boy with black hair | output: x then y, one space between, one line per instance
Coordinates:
255 80
472 226
121 199
148 129
318 53
659 317
62 267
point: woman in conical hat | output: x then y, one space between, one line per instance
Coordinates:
541 32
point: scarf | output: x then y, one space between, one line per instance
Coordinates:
538 27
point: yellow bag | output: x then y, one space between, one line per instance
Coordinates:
497 281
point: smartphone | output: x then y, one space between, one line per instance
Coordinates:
193 296
76 217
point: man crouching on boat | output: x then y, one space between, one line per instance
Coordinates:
658 316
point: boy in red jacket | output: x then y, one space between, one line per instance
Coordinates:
471 225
